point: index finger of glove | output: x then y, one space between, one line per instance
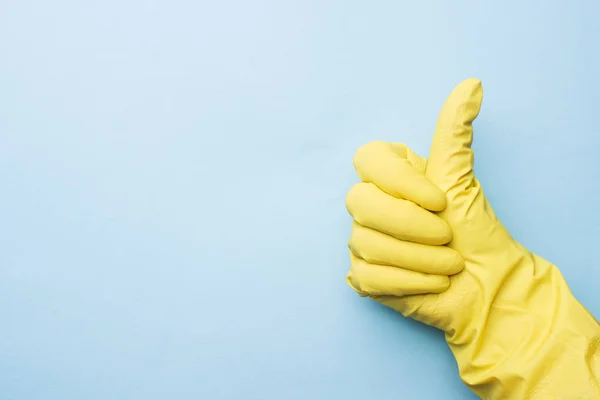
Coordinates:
387 166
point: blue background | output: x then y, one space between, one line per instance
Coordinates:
172 220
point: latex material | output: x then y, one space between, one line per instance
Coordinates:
516 330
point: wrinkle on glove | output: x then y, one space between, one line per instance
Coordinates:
513 325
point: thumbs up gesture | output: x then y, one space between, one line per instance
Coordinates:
426 242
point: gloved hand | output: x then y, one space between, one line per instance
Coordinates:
512 323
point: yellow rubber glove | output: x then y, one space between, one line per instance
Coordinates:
513 325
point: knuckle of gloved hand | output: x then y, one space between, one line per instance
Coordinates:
359 236
355 198
354 285
367 151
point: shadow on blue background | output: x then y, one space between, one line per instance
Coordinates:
172 220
